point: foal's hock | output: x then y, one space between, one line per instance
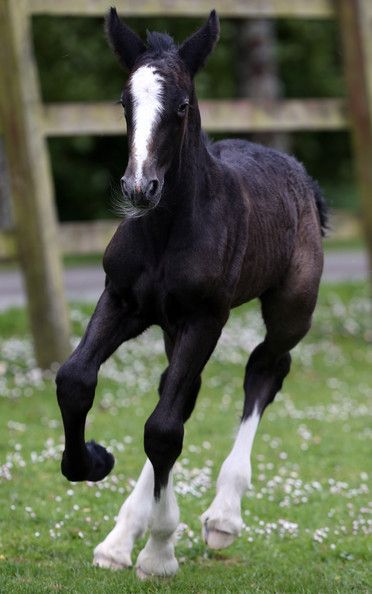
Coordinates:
208 226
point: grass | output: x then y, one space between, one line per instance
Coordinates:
308 523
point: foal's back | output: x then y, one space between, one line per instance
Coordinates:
273 180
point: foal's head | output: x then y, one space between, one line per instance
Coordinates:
158 102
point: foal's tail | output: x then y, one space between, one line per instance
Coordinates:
321 206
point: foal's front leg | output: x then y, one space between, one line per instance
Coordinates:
193 346
76 381
114 552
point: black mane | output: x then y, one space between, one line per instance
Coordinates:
159 42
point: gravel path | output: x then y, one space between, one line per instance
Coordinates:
86 283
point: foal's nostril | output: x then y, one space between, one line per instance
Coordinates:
152 187
139 194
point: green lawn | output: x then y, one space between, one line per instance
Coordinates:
308 515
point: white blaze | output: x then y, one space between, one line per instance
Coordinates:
146 90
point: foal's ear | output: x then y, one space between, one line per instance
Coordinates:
125 42
196 49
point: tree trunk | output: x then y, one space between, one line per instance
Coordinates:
31 186
355 17
257 72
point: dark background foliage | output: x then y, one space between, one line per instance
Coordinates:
75 64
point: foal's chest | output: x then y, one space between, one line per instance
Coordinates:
156 279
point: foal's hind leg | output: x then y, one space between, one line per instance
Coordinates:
287 313
222 522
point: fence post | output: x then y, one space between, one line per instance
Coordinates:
31 185
355 17
6 218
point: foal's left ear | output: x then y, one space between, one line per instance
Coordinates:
196 49
127 45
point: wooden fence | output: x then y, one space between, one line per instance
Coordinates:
26 123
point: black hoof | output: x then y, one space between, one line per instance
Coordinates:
98 464
101 461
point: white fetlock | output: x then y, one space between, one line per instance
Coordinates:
157 558
111 557
115 551
221 524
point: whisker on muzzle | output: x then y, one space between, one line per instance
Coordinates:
122 206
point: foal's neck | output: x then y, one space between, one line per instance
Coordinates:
185 179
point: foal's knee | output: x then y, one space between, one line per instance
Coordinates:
163 439
76 385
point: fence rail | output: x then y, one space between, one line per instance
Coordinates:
317 9
68 119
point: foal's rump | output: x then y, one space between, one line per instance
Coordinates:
287 213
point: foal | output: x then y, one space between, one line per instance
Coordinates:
209 227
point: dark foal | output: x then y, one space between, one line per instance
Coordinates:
209 227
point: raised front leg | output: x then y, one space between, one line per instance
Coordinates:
193 345
76 381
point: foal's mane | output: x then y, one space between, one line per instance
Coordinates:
159 42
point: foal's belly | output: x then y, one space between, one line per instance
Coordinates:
261 271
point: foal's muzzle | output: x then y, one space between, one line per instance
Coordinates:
144 194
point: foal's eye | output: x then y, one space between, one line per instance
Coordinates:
182 108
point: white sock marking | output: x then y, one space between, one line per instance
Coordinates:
234 478
157 557
139 512
146 90
132 523
236 470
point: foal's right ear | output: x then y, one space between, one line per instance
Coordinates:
127 45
